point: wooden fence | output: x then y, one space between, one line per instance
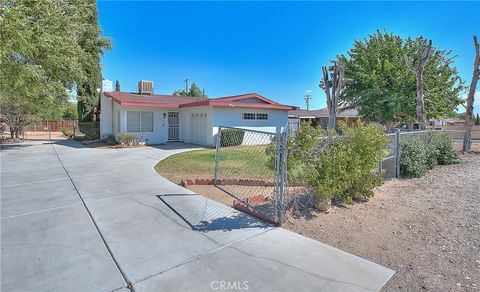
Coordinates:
55 126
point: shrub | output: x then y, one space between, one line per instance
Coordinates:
67 132
346 167
446 152
231 137
413 158
109 139
126 139
337 167
91 130
418 156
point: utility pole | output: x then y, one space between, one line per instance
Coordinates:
308 97
186 86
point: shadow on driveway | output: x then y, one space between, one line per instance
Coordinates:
205 215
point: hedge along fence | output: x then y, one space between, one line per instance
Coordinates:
421 153
231 137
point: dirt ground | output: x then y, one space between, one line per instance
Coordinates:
426 229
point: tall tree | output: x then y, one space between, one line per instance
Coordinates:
94 46
333 89
471 96
424 54
382 88
117 85
42 54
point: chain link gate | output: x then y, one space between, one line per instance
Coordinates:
250 167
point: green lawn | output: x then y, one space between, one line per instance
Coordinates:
240 162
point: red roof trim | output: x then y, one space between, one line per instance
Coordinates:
230 101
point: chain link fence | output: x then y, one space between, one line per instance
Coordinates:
251 166
248 167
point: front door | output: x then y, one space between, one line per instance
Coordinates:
173 126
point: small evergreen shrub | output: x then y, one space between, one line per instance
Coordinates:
418 156
413 158
231 137
446 152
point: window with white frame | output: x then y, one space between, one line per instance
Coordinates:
249 116
261 116
255 116
139 121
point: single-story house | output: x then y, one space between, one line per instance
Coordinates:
452 122
169 118
319 117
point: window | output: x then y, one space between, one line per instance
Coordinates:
262 116
146 124
248 116
139 121
255 116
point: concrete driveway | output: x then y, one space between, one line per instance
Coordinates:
82 219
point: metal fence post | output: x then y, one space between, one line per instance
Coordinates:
217 148
283 176
397 153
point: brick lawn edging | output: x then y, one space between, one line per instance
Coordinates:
225 182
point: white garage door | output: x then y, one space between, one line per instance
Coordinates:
198 128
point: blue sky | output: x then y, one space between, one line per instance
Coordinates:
273 48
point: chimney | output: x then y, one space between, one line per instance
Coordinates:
145 87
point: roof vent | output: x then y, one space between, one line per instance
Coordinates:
145 87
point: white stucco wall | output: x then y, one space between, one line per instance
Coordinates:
233 117
216 116
105 116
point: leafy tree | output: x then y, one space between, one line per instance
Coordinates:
477 120
43 51
380 85
70 111
194 91
117 85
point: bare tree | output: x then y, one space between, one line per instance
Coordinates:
333 89
16 116
418 72
467 142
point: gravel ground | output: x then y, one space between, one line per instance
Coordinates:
426 229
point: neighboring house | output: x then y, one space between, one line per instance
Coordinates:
450 122
168 118
319 117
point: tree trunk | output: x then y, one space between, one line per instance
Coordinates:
420 107
467 142
421 115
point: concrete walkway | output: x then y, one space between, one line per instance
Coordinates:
82 219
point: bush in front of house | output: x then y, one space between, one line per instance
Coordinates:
231 137
418 156
126 139
339 167
109 139
91 130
